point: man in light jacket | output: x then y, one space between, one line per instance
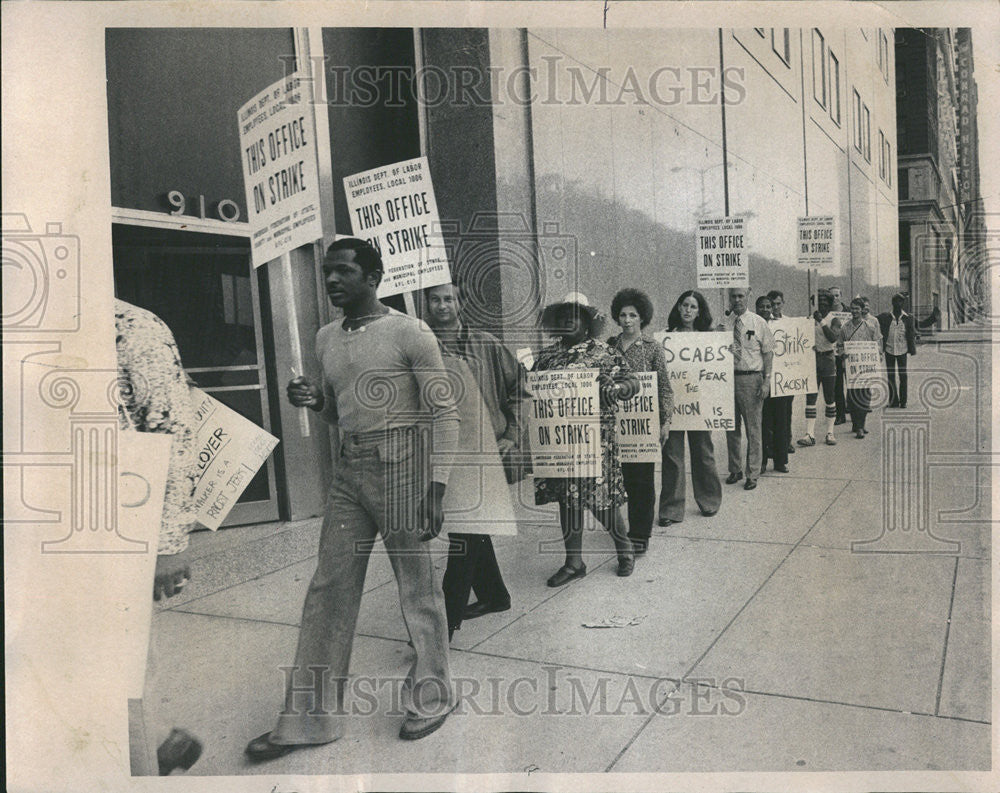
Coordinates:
900 337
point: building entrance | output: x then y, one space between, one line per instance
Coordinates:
204 288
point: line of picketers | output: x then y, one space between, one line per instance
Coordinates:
375 491
382 486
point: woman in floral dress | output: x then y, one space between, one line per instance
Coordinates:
575 324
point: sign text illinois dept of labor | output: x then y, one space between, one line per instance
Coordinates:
815 241
280 173
700 367
722 253
394 209
564 419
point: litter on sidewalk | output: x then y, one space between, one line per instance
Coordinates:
615 622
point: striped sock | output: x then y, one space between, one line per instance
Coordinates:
811 420
829 416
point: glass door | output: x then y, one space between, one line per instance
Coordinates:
205 289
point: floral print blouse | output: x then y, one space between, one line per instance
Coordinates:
155 397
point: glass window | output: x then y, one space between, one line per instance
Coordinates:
781 43
834 89
884 55
203 287
868 134
819 67
881 155
857 120
888 163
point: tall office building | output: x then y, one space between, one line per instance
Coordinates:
940 205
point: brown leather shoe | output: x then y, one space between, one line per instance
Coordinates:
626 564
260 749
479 609
415 727
180 750
565 574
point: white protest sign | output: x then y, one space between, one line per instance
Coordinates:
143 462
477 500
862 364
700 367
280 173
793 370
843 316
721 253
564 421
815 241
393 208
230 449
637 423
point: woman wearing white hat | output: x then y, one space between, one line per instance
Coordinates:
576 324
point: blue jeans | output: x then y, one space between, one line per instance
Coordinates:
378 483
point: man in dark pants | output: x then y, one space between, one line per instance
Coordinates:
840 399
900 337
472 563
774 437
777 312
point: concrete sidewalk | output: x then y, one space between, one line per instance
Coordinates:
763 642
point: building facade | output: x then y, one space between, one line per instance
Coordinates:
940 204
563 160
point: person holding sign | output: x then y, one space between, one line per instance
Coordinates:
633 310
900 336
154 397
689 314
859 399
866 315
837 306
824 347
774 442
575 324
383 383
753 347
777 298
472 563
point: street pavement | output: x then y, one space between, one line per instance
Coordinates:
776 636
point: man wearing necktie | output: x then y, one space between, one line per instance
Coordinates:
753 346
